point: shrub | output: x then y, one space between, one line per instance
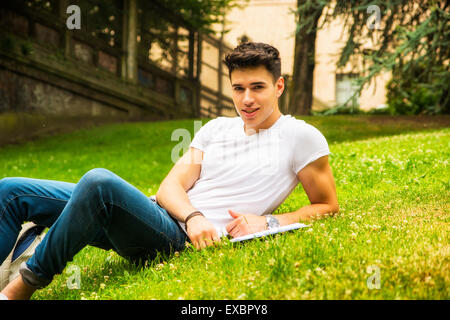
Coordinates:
413 92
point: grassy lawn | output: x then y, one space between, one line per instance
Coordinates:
393 186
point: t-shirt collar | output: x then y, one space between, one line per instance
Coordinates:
276 123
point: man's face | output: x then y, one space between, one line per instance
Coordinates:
255 96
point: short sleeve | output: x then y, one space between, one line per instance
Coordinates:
309 145
202 137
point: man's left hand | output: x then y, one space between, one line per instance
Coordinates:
244 224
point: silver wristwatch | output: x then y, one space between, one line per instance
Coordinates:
272 222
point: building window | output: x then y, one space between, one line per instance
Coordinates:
345 88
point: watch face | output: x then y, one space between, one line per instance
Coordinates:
273 222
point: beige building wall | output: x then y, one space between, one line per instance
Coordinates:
273 22
268 21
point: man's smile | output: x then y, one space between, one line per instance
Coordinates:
249 113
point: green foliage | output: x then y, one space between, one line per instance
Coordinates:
26 48
12 43
409 37
340 109
306 18
201 14
157 20
412 95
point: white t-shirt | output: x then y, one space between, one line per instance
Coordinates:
250 174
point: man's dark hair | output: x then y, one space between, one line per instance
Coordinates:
254 54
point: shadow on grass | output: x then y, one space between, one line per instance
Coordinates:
19 129
341 128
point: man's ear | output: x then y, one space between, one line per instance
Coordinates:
280 86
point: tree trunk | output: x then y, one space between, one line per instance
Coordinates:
301 95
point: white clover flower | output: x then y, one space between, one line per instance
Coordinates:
241 296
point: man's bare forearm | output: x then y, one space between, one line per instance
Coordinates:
172 197
307 213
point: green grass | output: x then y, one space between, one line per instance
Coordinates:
393 186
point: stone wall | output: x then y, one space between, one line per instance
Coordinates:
20 93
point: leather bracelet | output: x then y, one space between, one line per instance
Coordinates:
193 214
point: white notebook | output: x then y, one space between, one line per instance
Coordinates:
289 227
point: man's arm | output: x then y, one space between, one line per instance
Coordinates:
172 196
318 183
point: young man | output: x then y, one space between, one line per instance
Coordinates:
236 172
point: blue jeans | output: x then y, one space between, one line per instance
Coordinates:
101 210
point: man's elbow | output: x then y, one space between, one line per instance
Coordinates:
166 188
334 209
161 190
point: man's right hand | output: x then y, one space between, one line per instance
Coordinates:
201 232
